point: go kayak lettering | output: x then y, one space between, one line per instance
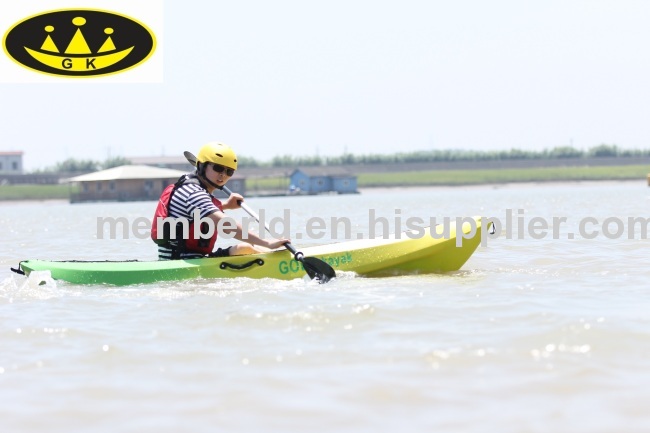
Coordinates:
293 266
79 42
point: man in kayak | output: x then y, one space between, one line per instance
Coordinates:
191 197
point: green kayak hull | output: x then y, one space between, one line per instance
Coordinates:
433 251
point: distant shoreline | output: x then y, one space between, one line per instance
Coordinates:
494 185
381 188
34 201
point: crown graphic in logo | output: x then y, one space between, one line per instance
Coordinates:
78 56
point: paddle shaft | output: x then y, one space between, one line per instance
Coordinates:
252 213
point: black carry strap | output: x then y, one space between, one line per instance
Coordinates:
225 265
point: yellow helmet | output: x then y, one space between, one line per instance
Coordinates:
218 153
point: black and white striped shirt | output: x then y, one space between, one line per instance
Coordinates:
185 200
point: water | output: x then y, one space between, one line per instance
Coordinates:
530 336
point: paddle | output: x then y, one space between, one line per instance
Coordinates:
315 268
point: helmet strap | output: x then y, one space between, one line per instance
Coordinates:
201 172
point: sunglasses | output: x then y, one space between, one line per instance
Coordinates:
220 169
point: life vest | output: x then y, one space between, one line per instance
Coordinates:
203 246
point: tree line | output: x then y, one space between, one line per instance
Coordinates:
450 155
72 165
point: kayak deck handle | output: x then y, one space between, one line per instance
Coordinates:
225 265
19 269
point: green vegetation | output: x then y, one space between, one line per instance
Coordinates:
467 177
36 192
474 177
267 183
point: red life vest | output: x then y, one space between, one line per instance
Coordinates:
203 246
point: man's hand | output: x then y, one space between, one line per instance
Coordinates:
234 201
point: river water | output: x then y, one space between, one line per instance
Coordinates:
533 334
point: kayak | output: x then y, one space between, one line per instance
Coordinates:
436 250
429 250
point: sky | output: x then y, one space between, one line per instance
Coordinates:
322 78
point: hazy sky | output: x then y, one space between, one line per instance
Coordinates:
306 77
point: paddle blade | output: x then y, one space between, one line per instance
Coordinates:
318 269
190 157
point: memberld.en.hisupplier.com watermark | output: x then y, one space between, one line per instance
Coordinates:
514 225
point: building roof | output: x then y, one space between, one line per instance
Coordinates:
158 160
129 172
11 153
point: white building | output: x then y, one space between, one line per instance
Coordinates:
11 162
